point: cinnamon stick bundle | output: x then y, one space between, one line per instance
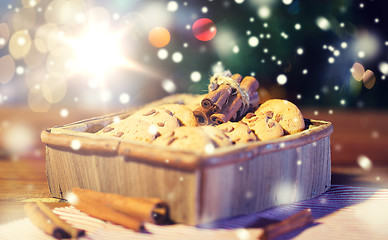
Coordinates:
42 217
232 109
225 102
219 96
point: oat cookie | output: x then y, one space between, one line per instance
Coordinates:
184 114
217 135
285 113
264 127
188 139
238 132
129 128
163 119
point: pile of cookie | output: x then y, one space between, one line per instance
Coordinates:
175 125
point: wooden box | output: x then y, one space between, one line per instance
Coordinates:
199 188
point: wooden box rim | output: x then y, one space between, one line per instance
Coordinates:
63 136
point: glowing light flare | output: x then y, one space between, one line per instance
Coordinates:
195 76
124 98
209 148
162 53
286 193
169 86
364 162
323 23
76 144
18 138
281 79
177 57
64 113
383 67
253 41
264 12
98 52
366 45
172 6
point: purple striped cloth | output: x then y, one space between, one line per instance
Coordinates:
341 213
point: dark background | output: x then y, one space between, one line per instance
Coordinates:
236 19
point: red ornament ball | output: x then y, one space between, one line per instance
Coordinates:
204 29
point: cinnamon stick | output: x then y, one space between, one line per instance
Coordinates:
236 77
234 104
202 115
298 220
147 210
225 91
249 84
210 98
42 217
97 209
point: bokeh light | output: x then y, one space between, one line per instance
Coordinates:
124 98
281 79
364 162
19 44
18 138
7 69
264 12
159 37
204 29
323 23
177 57
172 6
168 85
162 54
36 100
195 76
369 79
357 71
253 41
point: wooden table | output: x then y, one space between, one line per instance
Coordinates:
356 133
